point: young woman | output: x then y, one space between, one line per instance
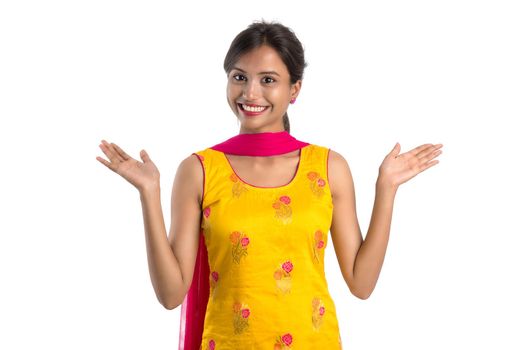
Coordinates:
251 215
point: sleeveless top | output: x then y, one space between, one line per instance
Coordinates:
265 247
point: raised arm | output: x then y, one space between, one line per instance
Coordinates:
361 260
171 259
345 229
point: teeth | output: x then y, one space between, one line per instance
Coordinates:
253 109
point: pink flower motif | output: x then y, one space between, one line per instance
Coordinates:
285 199
287 266
207 211
321 182
244 241
287 339
245 313
321 310
214 275
211 344
320 244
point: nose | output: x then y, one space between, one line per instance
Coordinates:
251 90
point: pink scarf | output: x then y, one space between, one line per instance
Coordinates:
194 306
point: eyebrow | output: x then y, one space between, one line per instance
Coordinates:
266 72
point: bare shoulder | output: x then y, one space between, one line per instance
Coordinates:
339 173
190 175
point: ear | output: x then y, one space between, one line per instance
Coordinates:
295 88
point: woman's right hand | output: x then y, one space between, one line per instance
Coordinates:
141 175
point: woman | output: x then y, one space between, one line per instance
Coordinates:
250 216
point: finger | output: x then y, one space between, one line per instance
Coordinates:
426 153
121 152
395 151
428 165
111 166
144 156
107 151
431 155
111 153
415 151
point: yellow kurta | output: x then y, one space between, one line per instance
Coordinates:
266 255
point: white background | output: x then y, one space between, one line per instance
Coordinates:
148 75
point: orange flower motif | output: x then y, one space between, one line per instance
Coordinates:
317 313
205 219
282 208
213 281
282 276
319 244
313 175
238 186
316 183
236 307
241 313
283 342
240 243
234 237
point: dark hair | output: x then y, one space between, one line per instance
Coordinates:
277 36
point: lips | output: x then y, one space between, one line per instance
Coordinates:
249 104
251 113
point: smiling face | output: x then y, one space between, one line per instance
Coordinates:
260 79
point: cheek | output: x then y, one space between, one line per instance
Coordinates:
233 91
277 98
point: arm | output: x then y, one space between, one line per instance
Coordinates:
361 261
171 260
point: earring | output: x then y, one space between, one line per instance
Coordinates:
293 100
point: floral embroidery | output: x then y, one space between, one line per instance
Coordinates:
211 344
283 209
318 312
319 244
205 222
240 317
283 342
316 183
240 242
213 280
238 185
282 276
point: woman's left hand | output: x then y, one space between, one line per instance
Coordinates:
399 168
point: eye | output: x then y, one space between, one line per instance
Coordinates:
237 75
273 80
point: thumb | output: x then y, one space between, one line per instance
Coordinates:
396 150
144 156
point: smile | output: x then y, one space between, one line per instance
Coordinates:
255 109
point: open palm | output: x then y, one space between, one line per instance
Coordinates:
142 175
399 168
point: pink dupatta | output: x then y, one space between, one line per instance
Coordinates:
194 306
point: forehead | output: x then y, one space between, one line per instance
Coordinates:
263 58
